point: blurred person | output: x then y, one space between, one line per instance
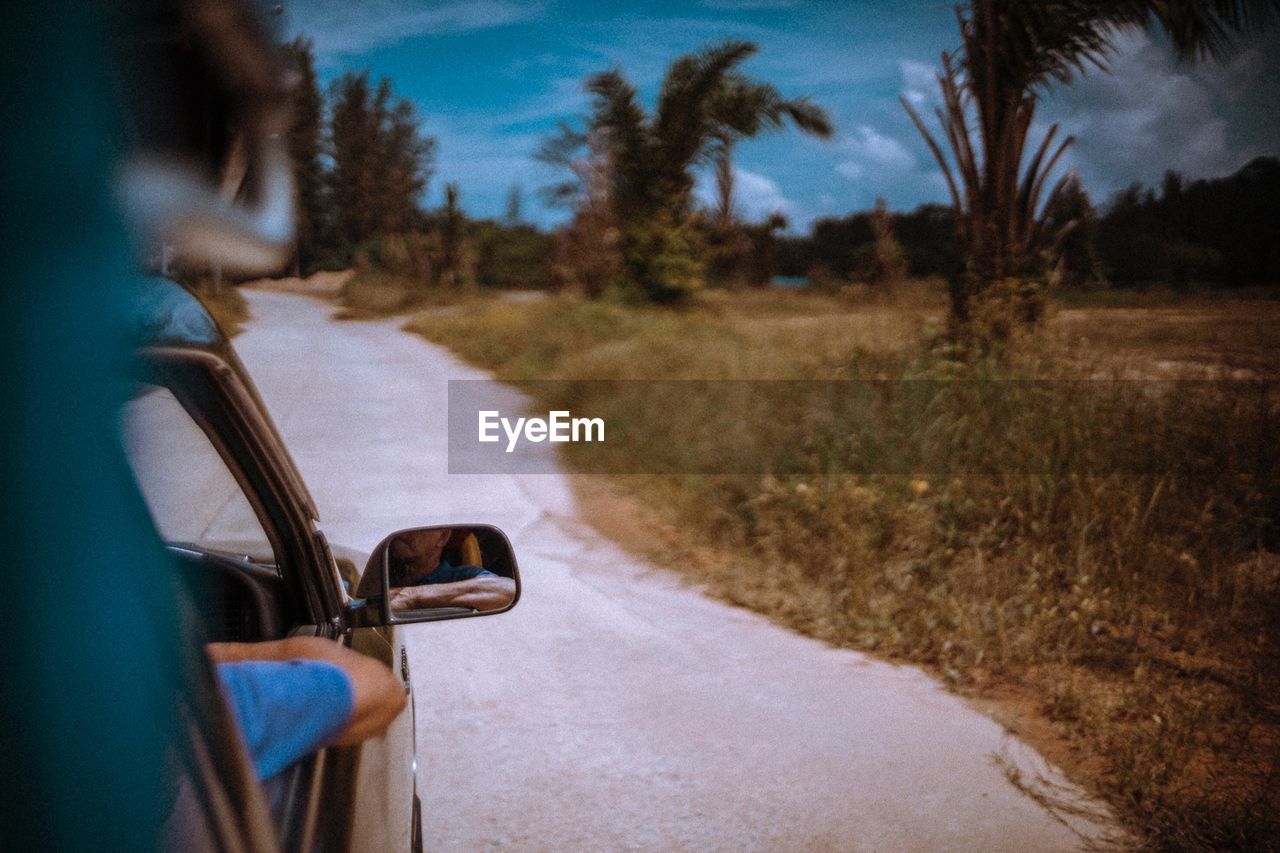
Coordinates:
92 727
422 577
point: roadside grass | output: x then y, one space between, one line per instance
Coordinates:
373 294
1119 563
225 304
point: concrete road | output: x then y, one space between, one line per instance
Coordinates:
615 708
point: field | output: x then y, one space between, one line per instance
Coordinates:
1112 594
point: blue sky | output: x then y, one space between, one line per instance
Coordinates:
491 79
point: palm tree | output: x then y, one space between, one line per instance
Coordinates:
1001 224
1010 50
743 109
704 106
653 155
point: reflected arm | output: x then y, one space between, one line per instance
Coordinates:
482 593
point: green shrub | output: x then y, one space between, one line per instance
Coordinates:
659 261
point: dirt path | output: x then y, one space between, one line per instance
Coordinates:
615 708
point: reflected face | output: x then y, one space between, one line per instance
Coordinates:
419 551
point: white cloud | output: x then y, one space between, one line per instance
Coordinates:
755 196
1229 80
919 82
562 99
340 28
850 170
759 196
870 151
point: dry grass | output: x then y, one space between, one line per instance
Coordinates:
1198 339
225 304
1140 611
371 294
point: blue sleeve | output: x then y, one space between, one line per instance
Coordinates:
286 709
447 573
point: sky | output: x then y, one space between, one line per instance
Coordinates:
492 78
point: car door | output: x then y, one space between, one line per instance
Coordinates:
359 797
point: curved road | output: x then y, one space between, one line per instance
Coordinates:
616 708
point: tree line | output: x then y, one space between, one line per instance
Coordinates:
1016 222
361 167
1223 232
1215 233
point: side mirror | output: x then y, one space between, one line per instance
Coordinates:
426 574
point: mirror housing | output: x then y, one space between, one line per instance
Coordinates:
443 571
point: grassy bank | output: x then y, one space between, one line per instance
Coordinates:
1118 565
224 303
373 294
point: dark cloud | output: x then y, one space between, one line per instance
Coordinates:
1149 113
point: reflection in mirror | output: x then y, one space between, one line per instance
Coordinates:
468 567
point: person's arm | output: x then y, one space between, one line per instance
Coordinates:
488 592
378 695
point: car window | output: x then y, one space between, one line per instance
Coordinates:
192 495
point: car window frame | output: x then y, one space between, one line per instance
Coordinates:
228 410
216 393
236 549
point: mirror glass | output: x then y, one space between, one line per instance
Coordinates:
438 571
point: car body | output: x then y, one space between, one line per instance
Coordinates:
242 530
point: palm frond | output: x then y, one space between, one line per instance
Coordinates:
1039 239
1033 198
943 165
562 147
809 117
616 106
1201 29
682 121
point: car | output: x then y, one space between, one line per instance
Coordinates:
242 531
152 134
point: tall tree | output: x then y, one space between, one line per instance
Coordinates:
306 131
353 130
1078 262
889 266
1010 50
381 162
405 157
704 106
515 202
